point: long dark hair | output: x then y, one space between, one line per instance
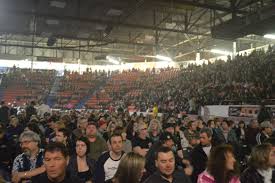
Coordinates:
216 165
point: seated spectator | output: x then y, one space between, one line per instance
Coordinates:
240 132
6 155
97 144
252 131
266 132
107 163
56 159
110 129
80 164
191 131
102 126
221 167
165 140
14 129
81 127
30 162
166 168
154 130
63 136
199 155
228 134
127 144
141 143
260 165
55 126
130 169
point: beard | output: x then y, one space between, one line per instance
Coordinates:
27 152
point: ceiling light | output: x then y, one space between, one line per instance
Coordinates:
58 4
112 60
269 36
221 52
164 58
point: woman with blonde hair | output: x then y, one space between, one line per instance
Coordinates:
260 165
130 169
154 130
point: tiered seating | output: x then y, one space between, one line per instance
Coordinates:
22 85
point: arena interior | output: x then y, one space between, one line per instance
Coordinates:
111 87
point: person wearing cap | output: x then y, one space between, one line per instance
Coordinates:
266 132
30 162
166 140
97 144
102 126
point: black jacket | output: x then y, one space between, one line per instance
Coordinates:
251 175
198 160
43 178
178 177
72 166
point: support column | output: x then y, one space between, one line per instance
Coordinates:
234 53
198 56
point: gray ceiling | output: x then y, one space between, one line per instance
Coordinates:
127 28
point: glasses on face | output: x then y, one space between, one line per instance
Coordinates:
25 142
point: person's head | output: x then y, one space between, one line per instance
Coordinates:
116 143
58 125
210 124
222 163
91 130
62 135
192 125
14 121
165 161
166 139
29 142
130 168
122 131
32 126
154 125
262 157
169 127
241 124
82 146
206 136
225 125
254 123
266 127
111 126
56 159
142 130
82 123
102 124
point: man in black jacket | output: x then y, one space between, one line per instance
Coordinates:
200 153
55 161
166 172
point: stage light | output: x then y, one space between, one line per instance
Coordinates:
112 60
164 58
269 36
221 52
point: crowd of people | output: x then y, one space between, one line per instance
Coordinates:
41 145
38 144
243 80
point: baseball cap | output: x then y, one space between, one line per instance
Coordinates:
166 136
